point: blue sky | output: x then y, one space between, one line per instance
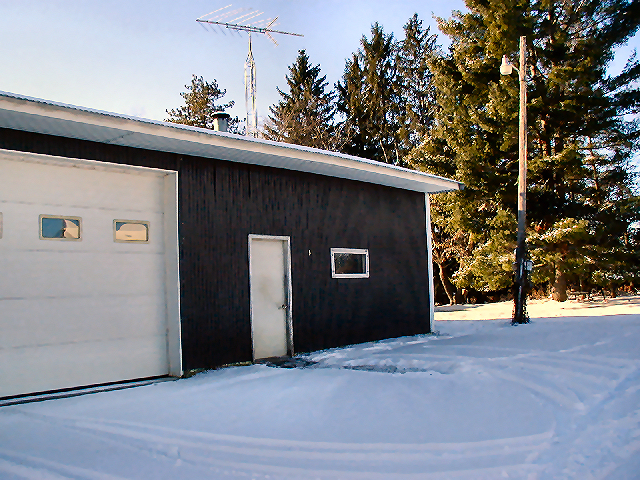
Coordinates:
135 56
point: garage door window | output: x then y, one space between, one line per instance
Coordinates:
136 231
60 228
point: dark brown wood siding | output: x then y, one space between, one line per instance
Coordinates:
221 203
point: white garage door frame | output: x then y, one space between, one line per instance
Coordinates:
171 248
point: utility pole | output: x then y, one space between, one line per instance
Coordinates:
522 265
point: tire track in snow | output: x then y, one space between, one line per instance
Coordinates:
572 379
321 459
30 473
603 440
553 378
558 381
51 471
587 386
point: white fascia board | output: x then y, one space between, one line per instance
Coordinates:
39 158
40 116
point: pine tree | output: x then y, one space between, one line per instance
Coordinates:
414 81
304 116
580 142
200 105
368 97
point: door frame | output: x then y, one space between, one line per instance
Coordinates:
287 289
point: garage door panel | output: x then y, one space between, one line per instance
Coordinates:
80 312
81 274
59 321
54 367
52 185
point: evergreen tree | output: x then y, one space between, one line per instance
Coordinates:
368 97
200 105
580 142
448 242
414 81
304 116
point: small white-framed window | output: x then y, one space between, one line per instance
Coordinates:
58 227
131 231
350 263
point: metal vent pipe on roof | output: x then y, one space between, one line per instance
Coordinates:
221 121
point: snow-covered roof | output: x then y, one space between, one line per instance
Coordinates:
41 116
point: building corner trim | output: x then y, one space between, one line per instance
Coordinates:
427 208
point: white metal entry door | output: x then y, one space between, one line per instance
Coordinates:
270 299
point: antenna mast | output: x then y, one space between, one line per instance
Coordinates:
240 23
250 93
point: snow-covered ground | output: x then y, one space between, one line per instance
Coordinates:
558 398
622 305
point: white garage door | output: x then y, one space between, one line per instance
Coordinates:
85 254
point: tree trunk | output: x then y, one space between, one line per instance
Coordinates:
559 290
449 288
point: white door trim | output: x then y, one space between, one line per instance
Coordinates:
172 274
288 288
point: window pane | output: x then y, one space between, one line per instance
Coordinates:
131 231
60 227
349 263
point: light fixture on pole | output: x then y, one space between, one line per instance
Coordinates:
505 67
522 266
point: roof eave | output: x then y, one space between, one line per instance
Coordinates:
24 113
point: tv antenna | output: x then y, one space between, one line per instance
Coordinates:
245 20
